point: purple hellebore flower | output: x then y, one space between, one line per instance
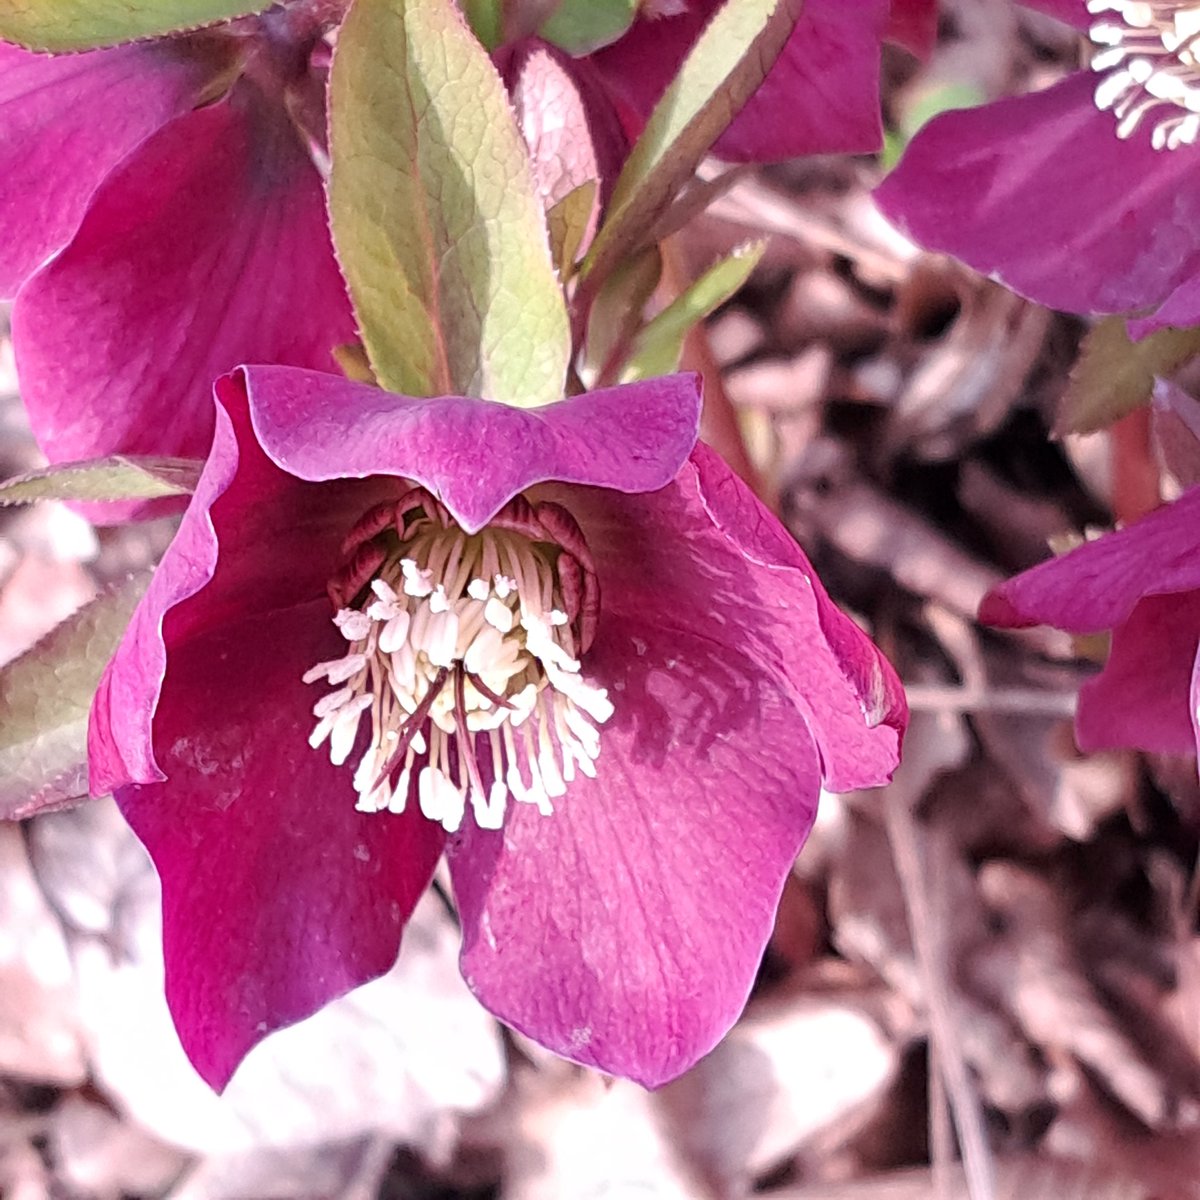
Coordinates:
161 221
1080 197
654 682
1143 583
820 97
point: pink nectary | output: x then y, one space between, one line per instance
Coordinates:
624 931
1143 583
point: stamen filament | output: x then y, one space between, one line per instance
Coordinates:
456 636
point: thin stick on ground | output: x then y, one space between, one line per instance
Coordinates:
964 1102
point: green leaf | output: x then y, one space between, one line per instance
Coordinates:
657 348
725 66
920 107
44 700
567 222
60 25
616 315
581 26
122 477
438 227
486 18
1114 376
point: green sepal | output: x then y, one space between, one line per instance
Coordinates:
659 344
45 696
437 224
62 25
122 477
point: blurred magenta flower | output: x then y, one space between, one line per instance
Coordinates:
1082 197
161 221
820 97
913 24
654 682
1143 583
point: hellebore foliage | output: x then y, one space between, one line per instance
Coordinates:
60 25
437 227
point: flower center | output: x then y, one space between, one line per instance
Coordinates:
464 650
1148 59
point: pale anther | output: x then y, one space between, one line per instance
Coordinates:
1148 60
465 663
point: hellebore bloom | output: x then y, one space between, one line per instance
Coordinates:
162 220
820 97
1143 583
1086 196
566 646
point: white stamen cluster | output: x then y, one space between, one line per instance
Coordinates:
465 661
1148 58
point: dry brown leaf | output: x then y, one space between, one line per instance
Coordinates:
105 1158
794 1068
402 1055
40 1037
870 527
1016 1179
570 1135
1033 972
969 380
352 1170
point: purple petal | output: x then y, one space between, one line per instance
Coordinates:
205 249
1180 310
65 122
1071 12
975 183
705 557
253 541
1096 586
821 96
913 24
624 931
1140 699
1194 701
1175 418
277 896
474 455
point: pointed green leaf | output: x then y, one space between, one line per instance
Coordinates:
581 26
45 696
122 477
1113 375
725 66
486 18
616 315
657 348
920 107
567 222
60 25
436 220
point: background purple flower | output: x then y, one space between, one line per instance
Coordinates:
624 930
821 96
163 221
1049 196
1143 583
